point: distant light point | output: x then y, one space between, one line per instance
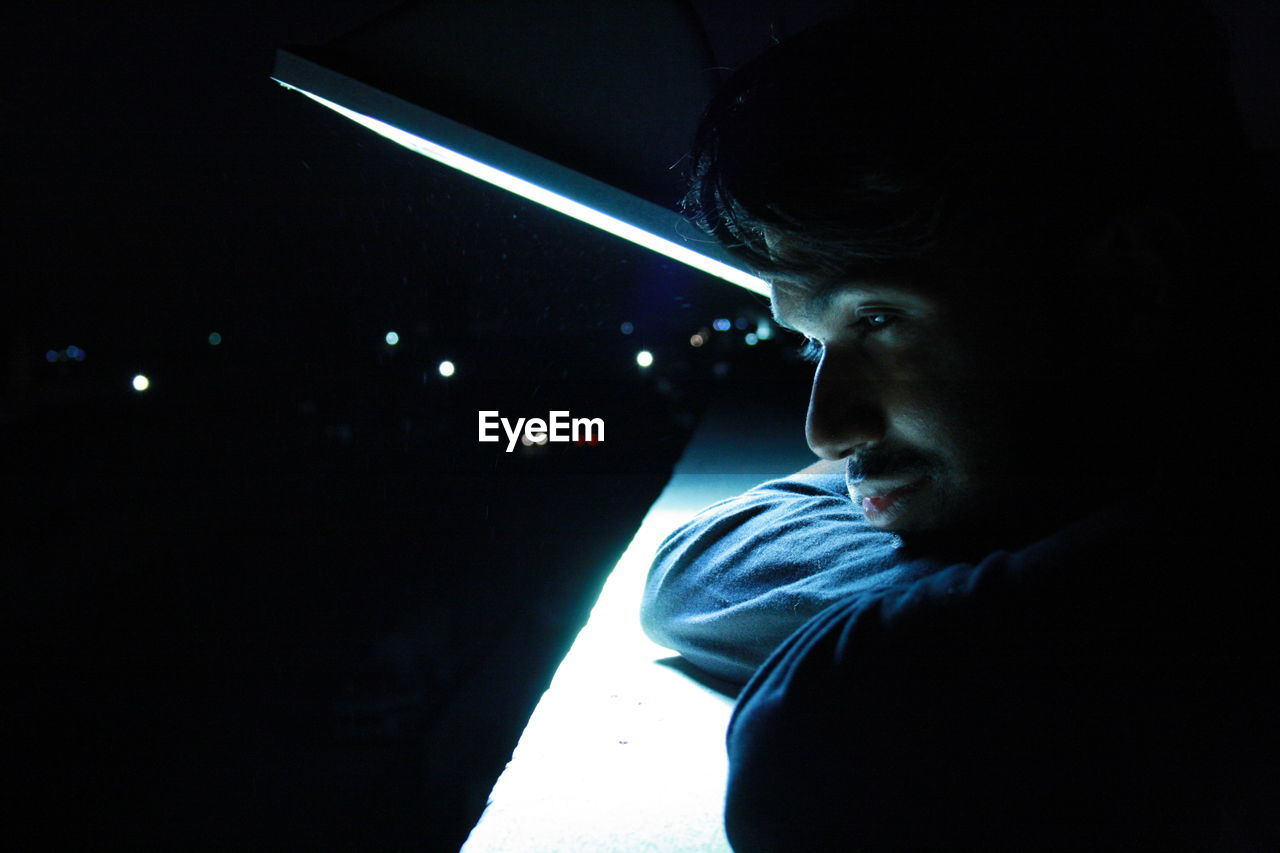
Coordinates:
446 369
141 383
644 358
392 338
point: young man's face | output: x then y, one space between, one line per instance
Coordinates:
910 390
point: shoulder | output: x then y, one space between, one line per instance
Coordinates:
1077 663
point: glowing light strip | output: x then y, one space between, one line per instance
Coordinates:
543 196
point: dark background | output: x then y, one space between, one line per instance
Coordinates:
284 597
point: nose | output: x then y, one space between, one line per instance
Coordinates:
845 411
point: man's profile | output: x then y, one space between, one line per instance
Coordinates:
1015 605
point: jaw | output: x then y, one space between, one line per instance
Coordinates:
965 522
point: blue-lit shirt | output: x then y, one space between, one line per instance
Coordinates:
1107 683
729 586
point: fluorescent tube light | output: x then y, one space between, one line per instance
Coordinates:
546 197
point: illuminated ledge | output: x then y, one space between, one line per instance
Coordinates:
625 752
509 167
622 752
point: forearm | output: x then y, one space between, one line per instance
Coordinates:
728 587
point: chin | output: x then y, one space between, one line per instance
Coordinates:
941 513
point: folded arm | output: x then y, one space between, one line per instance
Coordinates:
728 587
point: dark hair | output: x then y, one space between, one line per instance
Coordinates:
905 130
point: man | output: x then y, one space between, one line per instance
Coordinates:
1016 602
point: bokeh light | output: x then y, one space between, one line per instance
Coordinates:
446 369
141 383
644 358
392 338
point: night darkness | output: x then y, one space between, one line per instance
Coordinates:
284 597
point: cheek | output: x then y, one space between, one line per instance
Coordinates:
962 423
954 402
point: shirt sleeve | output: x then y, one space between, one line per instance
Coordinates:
729 586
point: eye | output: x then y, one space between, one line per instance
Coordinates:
863 323
872 321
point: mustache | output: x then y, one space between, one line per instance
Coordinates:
874 462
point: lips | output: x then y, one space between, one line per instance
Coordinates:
879 498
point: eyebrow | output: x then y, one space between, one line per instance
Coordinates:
778 321
818 293
777 318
